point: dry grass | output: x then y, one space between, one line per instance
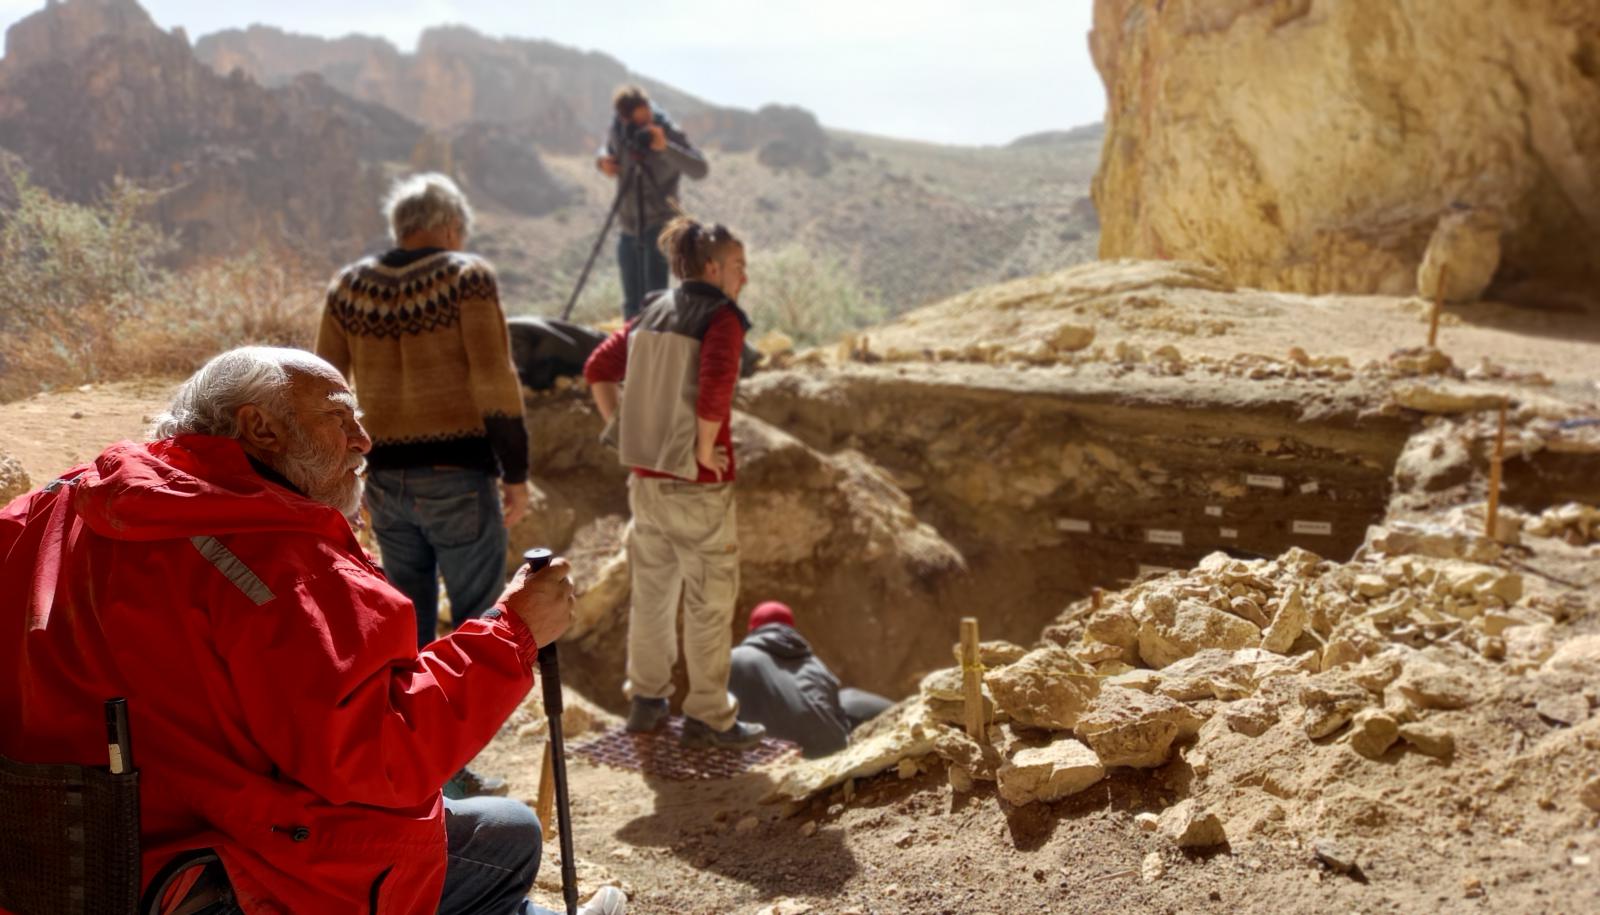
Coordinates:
84 296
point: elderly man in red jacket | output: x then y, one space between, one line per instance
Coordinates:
284 716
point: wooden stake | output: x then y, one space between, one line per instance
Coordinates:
1097 598
972 679
545 809
1496 466
1438 307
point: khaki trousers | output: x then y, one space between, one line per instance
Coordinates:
683 543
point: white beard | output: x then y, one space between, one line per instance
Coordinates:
324 477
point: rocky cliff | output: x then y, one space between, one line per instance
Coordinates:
557 97
93 89
1314 146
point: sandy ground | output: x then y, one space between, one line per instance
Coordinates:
1461 837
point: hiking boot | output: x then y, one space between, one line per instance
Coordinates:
609 901
646 715
468 783
741 735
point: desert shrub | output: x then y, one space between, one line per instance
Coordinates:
84 296
811 297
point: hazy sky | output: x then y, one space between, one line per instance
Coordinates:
953 71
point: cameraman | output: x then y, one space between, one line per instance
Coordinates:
648 152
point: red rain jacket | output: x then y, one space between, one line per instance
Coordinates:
280 711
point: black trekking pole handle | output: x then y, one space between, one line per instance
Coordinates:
550 681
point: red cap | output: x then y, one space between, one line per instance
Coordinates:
771 612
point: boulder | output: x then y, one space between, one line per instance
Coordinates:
1126 727
13 479
1373 732
1046 688
1171 630
1189 825
1356 198
1330 702
1429 739
1430 685
1049 773
1250 717
1288 622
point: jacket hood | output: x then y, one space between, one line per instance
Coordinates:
192 484
780 641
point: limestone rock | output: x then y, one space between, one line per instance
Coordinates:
1152 868
1287 623
1069 338
959 751
1347 201
1462 255
1330 702
13 479
1444 397
1189 825
1218 674
1046 688
1430 685
1250 717
1373 732
1049 773
1114 626
1126 727
1589 794
995 653
1580 655
1429 739
879 752
1170 631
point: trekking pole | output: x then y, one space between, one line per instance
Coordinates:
550 675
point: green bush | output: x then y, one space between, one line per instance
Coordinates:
811 297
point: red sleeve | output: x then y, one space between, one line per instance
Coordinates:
720 352
335 696
609 361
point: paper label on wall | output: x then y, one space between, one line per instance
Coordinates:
1229 533
1073 525
1263 480
1313 527
1213 511
1170 538
1309 488
1153 570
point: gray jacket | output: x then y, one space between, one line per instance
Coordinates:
782 685
656 172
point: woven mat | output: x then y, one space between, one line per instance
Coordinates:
660 754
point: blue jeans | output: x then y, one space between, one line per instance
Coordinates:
493 845
433 521
638 280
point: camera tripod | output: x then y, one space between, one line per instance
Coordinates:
628 179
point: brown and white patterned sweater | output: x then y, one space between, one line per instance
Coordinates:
421 337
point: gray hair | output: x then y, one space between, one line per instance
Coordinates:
425 202
208 403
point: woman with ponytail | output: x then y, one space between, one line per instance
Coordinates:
670 424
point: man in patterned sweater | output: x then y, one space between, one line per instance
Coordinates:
419 333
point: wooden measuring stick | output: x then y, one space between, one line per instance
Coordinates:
972 679
545 809
1438 306
1496 467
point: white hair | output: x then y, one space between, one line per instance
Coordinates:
425 202
208 403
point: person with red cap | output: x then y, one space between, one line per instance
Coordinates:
781 684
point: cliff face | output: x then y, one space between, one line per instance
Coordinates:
92 89
1313 145
559 97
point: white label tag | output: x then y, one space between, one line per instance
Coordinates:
1073 525
1309 488
1263 480
1153 570
1313 527
1229 533
1170 538
1213 511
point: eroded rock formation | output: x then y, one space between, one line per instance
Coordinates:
1314 146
